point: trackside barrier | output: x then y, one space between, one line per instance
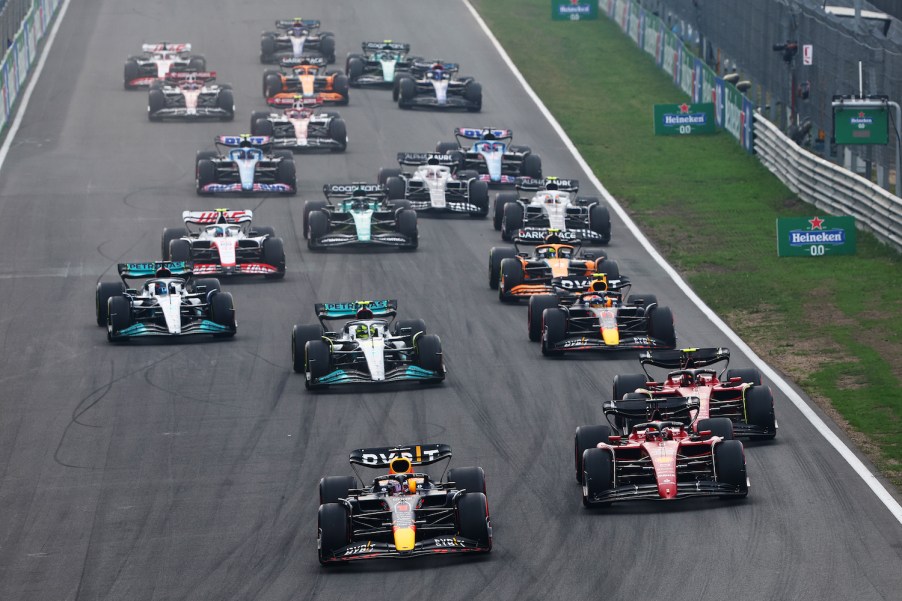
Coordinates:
22 54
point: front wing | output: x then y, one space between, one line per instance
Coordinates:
204 326
191 114
237 269
309 144
431 102
649 492
586 343
407 373
439 545
581 234
386 239
236 188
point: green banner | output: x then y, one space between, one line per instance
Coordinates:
853 125
815 236
684 119
573 10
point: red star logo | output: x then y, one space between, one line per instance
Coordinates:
684 108
574 2
861 115
816 223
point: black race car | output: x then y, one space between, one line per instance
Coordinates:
296 38
437 86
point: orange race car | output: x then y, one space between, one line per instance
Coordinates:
305 76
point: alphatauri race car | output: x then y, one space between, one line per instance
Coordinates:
403 512
735 394
301 127
250 166
660 457
379 64
489 152
159 59
369 347
359 214
190 96
306 77
437 87
296 38
551 203
436 185
223 242
171 303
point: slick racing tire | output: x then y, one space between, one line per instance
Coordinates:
257 115
645 300
132 72
206 174
600 222
286 174
446 147
272 84
309 207
317 360
197 63
222 311
170 234
354 68
179 250
473 519
479 197
399 204
417 326
512 221
759 409
119 316
598 474
301 334
396 89
338 131
554 330
333 530
473 96
407 92
469 479
262 230
502 199
318 226
718 426
267 47
407 226
268 73
532 166
105 291
396 188
628 383
660 326
385 173
334 488
750 375
327 47
609 267
429 354
274 254
511 276
262 127
587 437
496 256
340 86
537 305
729 463
156 101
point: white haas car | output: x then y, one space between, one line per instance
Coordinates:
190 95
436 185
301 127
157 61
223 242
552 203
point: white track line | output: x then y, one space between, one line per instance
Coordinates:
873 483
35 75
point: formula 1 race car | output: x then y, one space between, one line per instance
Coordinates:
437 87
600 320
250 166
157 61
359 214
436 185
370 347
190 95
551 203
306 77
734 394
402 513
296 38
379 64
222 242
660 458
489 152
300 127
171 303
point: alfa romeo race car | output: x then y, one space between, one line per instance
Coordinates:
300 126
435 185
190 95
735 394
437 87
659 458
600 320
379 64
402 513
222 242
306 77
551 203
171 303
369 347
249 166
359 214
296 38
489 152
159 59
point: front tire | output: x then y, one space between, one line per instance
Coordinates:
333 530
496 256
473 519
598 474
537 305
300 336
587 437
105 291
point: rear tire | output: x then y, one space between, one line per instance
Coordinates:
334 488
416 326
587 437
179 250
387 172
209 285
750 375
610 267
262 127
469 479
628 383
396 188
537 305
300 336
719 426
532 166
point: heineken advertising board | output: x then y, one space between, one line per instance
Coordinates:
860 125
815 236
574 10
684 119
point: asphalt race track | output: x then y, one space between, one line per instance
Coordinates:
152 471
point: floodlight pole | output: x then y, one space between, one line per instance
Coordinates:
898 129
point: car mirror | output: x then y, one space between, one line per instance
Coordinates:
704 433
615 438
131 291
200 289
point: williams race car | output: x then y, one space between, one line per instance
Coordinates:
359 214
300 127
307 77
370 347
490 153
437 87
296 38
171 303
379 64
250 166
222 242
435 185
661 457
735 394
157 61
551 203
402 513
190 95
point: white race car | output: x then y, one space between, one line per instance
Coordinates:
436 185
157 61
190 95
300 126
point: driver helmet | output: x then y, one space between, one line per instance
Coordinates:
217 231
362 332
594 300
364 313
553 238
160 289
653 433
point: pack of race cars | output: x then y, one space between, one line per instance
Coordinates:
667 436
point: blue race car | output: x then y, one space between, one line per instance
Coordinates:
489 152
249 167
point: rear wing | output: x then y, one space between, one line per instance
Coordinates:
344 191
289 23
382 457
423 66
165 47
387 45
217 216
244 140
681 409
149 270
201 77
291 61
484 133
688 358
549 183
348 310
416 159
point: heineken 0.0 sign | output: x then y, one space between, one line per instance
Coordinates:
860 125
684 119
574 10
815 236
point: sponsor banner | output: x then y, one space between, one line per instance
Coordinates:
684 119
747 138
707 85
671 54
817 236
635 24
860 125
574 10
687 72
732 117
